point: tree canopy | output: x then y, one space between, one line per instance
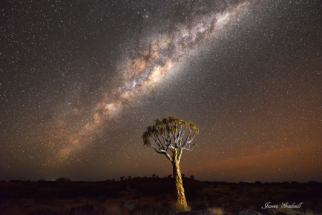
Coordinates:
170 134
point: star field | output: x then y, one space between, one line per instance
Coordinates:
80 82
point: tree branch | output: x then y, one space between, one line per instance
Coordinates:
175 137
160 151
188 149
186 141
181 135
162 143
156 141
164 139
179 154
190 141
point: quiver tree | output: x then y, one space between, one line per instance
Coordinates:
170 137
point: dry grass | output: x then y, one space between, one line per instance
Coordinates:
217 211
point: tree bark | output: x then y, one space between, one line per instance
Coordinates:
179 185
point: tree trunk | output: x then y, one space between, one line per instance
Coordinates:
179 185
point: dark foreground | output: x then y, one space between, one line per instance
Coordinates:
132 196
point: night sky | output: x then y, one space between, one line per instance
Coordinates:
81 80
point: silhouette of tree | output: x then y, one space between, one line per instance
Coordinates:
172 135
192 177
62 179
122 178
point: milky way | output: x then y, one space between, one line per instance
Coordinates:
81 81
149 70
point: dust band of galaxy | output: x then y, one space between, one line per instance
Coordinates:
147 71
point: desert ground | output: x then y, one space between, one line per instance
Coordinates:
130 195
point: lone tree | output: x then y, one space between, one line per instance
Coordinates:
170 137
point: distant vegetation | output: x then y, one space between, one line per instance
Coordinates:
61 179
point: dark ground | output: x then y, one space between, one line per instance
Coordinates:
121 197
